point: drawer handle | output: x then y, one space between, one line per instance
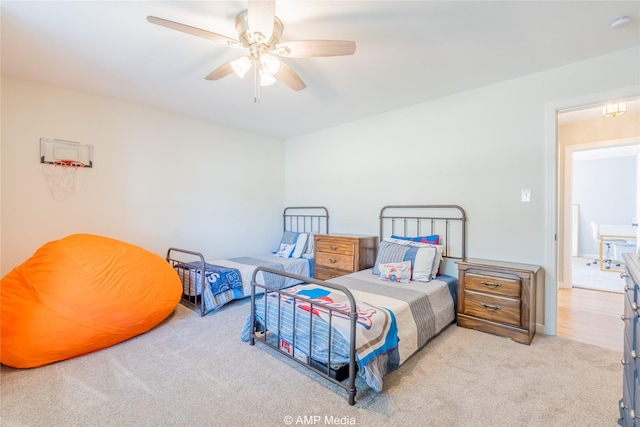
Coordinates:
633 356
334 248
632 413
624 276
491 307
333 260
491 285
624 318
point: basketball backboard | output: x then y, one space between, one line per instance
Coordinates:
55 150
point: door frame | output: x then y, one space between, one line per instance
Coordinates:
552 171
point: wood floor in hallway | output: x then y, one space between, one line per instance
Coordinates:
592 317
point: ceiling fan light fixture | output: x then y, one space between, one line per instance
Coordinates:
266 79
241 66
270 63
613 110
259 33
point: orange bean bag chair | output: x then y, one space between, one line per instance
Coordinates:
80 294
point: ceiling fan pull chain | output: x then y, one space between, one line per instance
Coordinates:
256 83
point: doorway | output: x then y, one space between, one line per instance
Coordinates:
601 180
586 144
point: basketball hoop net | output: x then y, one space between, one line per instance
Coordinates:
63 177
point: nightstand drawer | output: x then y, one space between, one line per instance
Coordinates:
335 261
493 285
335 246
323 273
494 308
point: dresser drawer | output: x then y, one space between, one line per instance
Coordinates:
629 362
491 307
630 318
335 246
630 287
493 285
334 260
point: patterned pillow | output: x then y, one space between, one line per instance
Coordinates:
439 248
389 252
297 239
285 250
396 272
423 257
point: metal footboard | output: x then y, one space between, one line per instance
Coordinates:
260 333
187 263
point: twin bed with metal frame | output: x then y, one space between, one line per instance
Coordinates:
369 322
225 280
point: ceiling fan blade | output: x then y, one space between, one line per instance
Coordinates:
260 15
289 77
192 30
220 72
316 48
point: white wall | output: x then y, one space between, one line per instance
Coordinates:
605 189
157 176
477 149
158 180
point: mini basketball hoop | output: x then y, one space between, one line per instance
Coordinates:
63 177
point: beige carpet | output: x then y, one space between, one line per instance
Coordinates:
193 371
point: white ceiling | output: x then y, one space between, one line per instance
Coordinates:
407 52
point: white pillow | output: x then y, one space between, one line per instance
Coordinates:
395 272
426 259
439 250
301 245
310 239
285 250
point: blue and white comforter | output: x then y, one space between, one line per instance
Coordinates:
394 321
221 284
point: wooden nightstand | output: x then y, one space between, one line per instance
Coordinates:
340 254
498 297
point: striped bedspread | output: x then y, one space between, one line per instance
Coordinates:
394 321
422 309
247 265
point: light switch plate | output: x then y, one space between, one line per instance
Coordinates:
525 195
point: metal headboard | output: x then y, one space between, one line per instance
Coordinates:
448 221
306 219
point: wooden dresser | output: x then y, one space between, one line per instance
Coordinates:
630 402
498 297
340 254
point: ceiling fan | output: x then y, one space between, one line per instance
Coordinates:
259 32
